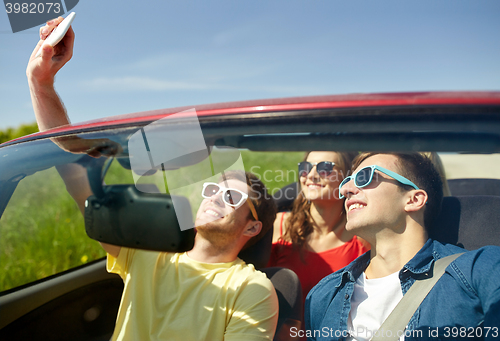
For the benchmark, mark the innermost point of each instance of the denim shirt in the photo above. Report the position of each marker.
(464, 303)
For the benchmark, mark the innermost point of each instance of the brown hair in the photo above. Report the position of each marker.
(263, 202)
(300, 224)
(436, 160)
(419, 169)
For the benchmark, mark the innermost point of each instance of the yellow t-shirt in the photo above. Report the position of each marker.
(169, 296)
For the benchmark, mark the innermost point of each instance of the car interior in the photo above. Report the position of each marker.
(468, 219)
(85, 298)
(459, 187)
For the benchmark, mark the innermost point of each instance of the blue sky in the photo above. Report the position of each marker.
(141, 55)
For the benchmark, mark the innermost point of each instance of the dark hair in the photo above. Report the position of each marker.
(263, 202)
(420, 170)
(300, 223)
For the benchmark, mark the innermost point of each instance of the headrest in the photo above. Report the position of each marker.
(258, 254)
(285, 196)
(459, 187)
(289, 291)
(469, 221)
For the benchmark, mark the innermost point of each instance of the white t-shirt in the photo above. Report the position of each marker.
(372, 301)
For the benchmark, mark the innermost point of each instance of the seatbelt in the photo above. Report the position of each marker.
(404, 310)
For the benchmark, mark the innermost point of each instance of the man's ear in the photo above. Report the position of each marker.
(416, 200)
(253, 228)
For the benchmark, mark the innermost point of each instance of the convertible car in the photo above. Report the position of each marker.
(53, 283)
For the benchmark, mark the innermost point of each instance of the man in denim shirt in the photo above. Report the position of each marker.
(390, 199)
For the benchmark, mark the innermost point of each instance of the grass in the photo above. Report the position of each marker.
(42, 231)
(275, 169)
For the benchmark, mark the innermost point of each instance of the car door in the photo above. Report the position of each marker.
(53, 283)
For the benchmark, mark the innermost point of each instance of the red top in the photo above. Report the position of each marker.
(314, 266)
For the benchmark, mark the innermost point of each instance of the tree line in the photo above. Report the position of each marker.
(13, 133)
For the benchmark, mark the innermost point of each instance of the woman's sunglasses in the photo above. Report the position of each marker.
(364, 176)
(324, 168)
(231, 196)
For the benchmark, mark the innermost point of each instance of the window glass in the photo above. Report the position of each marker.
(471, 166)
(275, 169)
(42, 232)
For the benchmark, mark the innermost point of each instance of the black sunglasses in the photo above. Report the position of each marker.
(324, 168)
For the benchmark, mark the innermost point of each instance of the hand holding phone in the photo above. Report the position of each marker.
(58, 33)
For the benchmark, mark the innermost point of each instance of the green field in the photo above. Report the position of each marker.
(42, 231)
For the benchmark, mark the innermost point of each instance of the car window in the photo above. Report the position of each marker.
(275, 169)
(42, 232)
(471, 166)
(278, 169)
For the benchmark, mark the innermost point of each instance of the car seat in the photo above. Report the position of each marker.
(286, 283)
(289, 292)
(460, 187)
(285, 196)
(469, 221)
(470, 218)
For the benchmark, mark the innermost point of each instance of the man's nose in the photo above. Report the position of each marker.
(217, 199)
(349, 189)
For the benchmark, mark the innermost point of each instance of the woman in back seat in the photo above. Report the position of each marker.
(311, 240)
